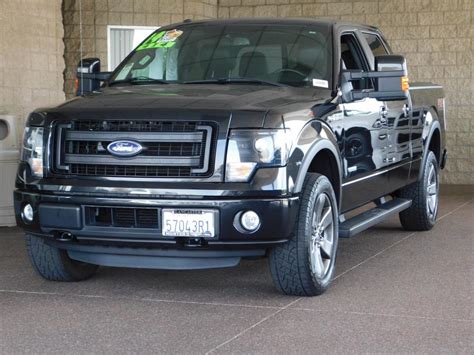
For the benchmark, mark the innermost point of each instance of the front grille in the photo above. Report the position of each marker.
(130, 170)
(122, 217)
(170, 148)
(136, 126)
(179, 149)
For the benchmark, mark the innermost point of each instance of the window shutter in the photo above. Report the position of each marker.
(121, 40)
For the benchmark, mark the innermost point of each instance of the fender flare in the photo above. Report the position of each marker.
(318, 146)
(435, 125)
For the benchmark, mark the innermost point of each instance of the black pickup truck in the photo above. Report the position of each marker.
(215, 141)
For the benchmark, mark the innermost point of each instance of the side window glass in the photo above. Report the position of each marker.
(375, 44)
(352, 59)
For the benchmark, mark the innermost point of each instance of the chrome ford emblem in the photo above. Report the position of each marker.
(124, 148)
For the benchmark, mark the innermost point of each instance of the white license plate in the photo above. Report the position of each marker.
(188, 223)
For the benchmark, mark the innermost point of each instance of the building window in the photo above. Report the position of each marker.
(121, 40)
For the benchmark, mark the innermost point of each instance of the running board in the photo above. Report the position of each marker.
(367, 219)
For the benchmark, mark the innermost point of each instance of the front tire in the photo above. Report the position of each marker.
(421, 216)
(304, 266)
(54, 264)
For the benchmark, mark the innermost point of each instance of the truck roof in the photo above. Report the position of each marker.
(286, 21)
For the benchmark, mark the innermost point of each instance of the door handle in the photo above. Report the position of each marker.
(383, 115)
(380, 122)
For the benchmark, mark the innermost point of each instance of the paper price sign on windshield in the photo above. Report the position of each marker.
(163, 39)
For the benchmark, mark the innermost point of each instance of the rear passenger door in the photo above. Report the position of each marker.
(397, 114)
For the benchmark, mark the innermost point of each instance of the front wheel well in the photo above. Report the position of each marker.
(435, 145)
(325, 163)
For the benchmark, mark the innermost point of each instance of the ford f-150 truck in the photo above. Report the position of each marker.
(219, 140)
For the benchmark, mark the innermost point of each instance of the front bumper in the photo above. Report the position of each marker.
(55, 215)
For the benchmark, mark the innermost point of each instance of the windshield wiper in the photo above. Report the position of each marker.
(139, 80)
(235, 80)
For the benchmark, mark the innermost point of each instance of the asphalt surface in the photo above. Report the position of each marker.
(395, 291)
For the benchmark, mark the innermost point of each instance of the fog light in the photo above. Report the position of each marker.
(27, 213)
(250, 221)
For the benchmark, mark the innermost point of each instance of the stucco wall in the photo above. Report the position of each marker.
(31, 65)
(97, 14)
(31, 56)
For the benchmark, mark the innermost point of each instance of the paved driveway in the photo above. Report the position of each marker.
(395, 291)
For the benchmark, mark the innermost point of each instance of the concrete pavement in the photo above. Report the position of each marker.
(395, 291)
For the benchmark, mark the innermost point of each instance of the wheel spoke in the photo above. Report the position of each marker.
(317, 264)
(318, 211)
(432, 203)
(326, 219)
(430, 174)
(432, 190)
(314, 223)
(326, 247)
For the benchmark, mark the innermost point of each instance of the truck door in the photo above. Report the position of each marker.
(397, 114)
(364, 135)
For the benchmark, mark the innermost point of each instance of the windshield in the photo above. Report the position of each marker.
(288, 55)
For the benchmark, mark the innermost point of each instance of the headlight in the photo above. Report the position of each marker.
(251, 149)
(32, 150)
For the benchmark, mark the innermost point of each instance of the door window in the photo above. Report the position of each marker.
(353, 59)
(375, 43)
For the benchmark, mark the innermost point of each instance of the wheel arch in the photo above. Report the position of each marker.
(432, 138)
(435, 144)
(322, 158)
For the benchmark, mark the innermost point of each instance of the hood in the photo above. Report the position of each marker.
(248, 105)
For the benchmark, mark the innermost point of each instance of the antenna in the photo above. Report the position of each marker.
(81, 48)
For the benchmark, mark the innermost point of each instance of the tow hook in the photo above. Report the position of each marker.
(194, 242)
(64, 237)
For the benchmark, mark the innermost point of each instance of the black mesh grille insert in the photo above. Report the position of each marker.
(178, 149)
(122, 217)
(129, 170)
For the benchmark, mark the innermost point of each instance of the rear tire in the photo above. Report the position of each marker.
(54, 264)
(421, 216)
(304, 266)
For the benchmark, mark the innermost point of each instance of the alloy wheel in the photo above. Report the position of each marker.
(322, 236)
(432, 192)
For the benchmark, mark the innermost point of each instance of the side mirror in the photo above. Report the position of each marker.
(390, 80)
(396, 84)
(89, 76)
